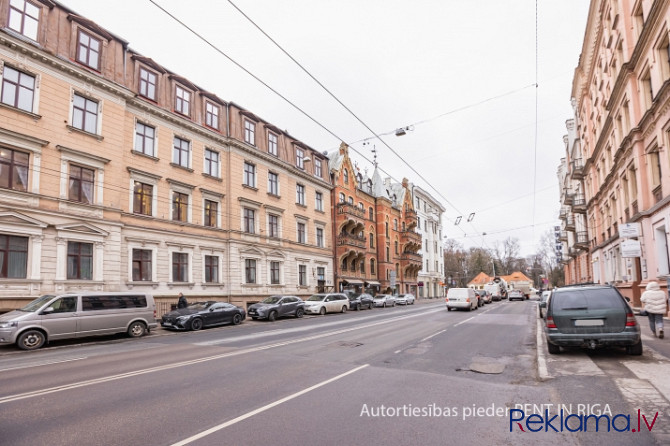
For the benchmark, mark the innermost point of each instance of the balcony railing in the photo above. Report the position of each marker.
(411, 256)
(563, 236)
(351, 240)
(577, 172)
(567, 199)
(579, 203)
(570, 222)
(410, 236)
(582, 240)
(350, 209)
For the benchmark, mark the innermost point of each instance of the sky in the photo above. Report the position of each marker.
(460, 75)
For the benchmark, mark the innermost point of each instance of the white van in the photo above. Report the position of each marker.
(461, 298)
(76, 315)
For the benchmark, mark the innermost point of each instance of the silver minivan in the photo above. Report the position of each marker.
(77, 315)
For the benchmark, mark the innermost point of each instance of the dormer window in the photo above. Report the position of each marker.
(250, 132)
(88, 50)
(300, 158)
(148, 81)
(182, 103)
(24, 18)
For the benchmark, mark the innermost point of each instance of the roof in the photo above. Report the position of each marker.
(481, 279)
(516, 276)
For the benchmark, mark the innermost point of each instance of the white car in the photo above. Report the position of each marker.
(327, 303)
(461, 298)
(384, 300)
(405, 299)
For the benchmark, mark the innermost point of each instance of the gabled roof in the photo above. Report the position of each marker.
(481, 279)
(516, 276)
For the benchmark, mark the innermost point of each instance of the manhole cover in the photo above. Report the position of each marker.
(487, 367)
(349, 344)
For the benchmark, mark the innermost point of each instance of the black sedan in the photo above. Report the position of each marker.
(203, 314)
(273, 307)
(359, 301)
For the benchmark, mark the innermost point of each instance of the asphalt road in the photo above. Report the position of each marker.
(414, 375)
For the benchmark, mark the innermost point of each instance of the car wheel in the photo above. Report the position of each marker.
(448, 308)
(370, 307)
(196, 324)
(540, 312)
(299, 313)
(635, 349)
(31, 340)
(237, 319)
(553, 348)
(322, 311)
(272, 316)
(254, 318)
(358, 307)
(393, 304)
(136, 329)
(384, 306)
(344, 308)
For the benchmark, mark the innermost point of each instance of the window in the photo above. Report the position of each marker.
(346, 176)
(81, 184)
(142, 265)
(88, 50)
(179, 206)
(211, 269)
(319, 237)
(24, 17)
(79, 261)
(274, 273)
(342, 197)
(145, 139)
(13, 257)
(302, 275)
(212, 115)
(249, 132)
(344, 265)
(18, 89)
(13, 169)
(354, 263)
(351, 201)
(362, 266)
(148, 81)
(212, 163)
(249, 175)
(321, 273)
(180, 152)
(396, 247)
(655, 163)
(84, 114)
(403, 226)
(250, 270)
(386, 225)
(388, 254)
(300, 194)
(371, 214)
(300, 158)
(302, 236)
(372, 266)
(273, 225)
(211, 213)
(142, 198)
(272, 144)
(395, 224)
(418, 222)
(317, 167)
(372, 240)
(273, 183)
(249, 221)
(179, 267)
(182, 104)
(319, 201)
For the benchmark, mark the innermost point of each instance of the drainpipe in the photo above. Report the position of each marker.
(228, 210)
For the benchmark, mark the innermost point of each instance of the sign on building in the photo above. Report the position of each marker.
(392, 279)
(627, 230)
(631, 248)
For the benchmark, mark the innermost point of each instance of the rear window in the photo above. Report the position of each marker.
(586, 299)
(92, 303)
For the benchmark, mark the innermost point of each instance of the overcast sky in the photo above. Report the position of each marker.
(460, 71)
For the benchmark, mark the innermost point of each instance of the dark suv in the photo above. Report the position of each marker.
(360, 300)
(590, 316)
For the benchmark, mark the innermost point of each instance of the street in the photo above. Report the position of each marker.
(404, 375)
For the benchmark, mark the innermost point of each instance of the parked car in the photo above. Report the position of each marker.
(405, 299)
(77, 315)
(590, 316)
(543, 299)
(515, 294)
(384, 300)
(361, 300)
(464, 298)
(484, 297)
(203, 314)
(273, 307)
(323, 303)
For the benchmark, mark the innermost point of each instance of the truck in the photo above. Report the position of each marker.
(524, 287)
(498, 288)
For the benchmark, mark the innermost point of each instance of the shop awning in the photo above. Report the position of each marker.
(353, 282)
(372, 283)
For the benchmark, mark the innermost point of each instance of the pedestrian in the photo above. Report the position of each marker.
(183, 303)
(656, 306)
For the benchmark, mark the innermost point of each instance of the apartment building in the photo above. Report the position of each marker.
(118, 174)
(621, 97)
(429, 225)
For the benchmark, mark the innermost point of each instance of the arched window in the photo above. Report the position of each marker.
(395, 224)
(403, 226)
(342, 197)
(346, 176)
(371, 212)
(372, 266)
(387, 228)
(372, 240)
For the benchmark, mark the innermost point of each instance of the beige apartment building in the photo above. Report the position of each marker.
(118, 174)
(615, 176)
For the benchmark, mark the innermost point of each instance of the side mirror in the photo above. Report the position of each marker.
(48, 310)
(211, 309)
(543, 305)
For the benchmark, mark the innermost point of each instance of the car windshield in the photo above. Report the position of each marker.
(587, 299)
(271, 300)
(37, 303)
(316, 297)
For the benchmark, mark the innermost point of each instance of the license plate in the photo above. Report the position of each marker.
(167, 323)
(589, 322)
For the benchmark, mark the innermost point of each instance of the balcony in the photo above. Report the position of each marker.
(570, 223)
(351, 240)
(577, 171)
(350, 209)
(410, 237)
(582, 240)
(567, 199)
(564, 236)
(411, 256)
(579, 204)
(573, 252)
(563, 213)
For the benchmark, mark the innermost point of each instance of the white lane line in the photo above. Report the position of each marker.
(433, 335)
(41, 363)
(264, 408)
(463, 322)
(396, 352)
(91, 382)
(542, 370)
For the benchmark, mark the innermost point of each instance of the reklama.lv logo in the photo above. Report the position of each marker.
(577, 423)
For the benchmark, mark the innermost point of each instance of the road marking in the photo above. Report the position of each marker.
(41, 363)
(396, 352)
(541, 359)
(264, 408)
(433, 335)
(463, 322)
(21, 396)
